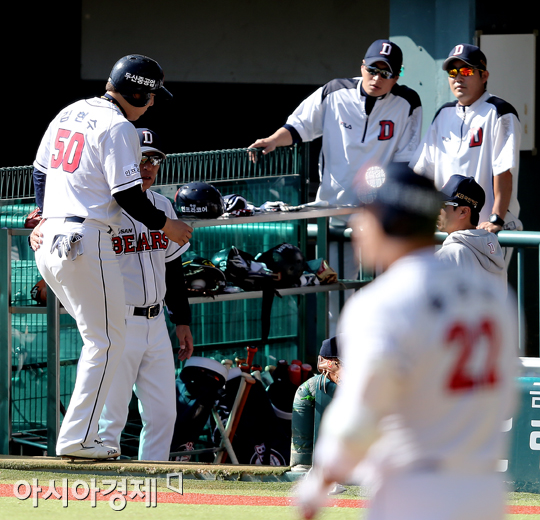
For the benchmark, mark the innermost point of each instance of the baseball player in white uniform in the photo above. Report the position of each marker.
(86, 170)
(364, 121)
(477, 135)
(152, 269)
(466, 245)
(429, 359)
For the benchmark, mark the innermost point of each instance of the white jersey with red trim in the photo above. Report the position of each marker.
(89, 152)
(143, 254)
(481, 140)
(430, 355)
(354, 139)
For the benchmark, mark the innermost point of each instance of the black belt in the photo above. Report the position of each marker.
(79, 220)
(148, 312)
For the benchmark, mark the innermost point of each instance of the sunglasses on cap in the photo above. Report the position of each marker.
(374, 71)
(448, 203)
(154, 160)
(464, 71)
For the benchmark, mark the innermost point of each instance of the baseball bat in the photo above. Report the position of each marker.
(239, 361)
(306, 371)
(295, 374)
(249, 381)
(251, 351)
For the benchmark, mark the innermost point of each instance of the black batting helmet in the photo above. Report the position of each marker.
(198, 199)
(136, 77)
(406, 203)
(287, 262)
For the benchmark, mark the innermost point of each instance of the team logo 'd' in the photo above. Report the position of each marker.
(477, 137)
(386, 131)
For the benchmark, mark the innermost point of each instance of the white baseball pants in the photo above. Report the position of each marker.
(147, 368)
(91, 289)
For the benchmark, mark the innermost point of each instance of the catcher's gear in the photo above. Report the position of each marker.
(66, 244)
(38, 293)
(287, 263)
(202, 277)
(137, 77)
(198, 199)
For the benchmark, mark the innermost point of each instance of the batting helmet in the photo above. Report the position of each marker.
(198, 199)
(136, 77)
(203, 377)
(203, 277)
(287, 263)
(406, 203)
(242, 270)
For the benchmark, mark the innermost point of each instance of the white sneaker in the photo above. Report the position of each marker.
(99, 451)
(337, 489)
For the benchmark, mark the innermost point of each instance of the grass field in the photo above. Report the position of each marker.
(201, 499)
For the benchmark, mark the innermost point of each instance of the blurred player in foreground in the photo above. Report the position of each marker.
(152, 270)
(429, 357)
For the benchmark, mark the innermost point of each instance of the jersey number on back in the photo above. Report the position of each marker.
(477, 350)
(68, 150)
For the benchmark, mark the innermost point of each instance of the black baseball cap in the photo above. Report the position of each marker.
(149, 141)
(470, 54)
(329, 348)
(465, 191)
(387, 51)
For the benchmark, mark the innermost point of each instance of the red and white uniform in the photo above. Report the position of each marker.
(429, 361)
(89, 152)
(352, 138)
(481, 141)
(147, 364)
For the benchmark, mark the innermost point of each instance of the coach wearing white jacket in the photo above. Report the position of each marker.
(467, 245)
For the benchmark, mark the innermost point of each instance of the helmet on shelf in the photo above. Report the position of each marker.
(198, 199)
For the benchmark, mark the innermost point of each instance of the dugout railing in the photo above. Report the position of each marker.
(26, 385)
(33, 376)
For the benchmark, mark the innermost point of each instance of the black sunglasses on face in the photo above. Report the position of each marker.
(374, 71)
(154, 160)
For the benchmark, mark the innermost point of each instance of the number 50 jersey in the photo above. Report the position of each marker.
(89, 152)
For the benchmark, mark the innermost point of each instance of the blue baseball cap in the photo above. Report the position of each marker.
(470, 54)
(149, 141)
(387, 51)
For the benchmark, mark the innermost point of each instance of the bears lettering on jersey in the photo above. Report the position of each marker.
(127, 243)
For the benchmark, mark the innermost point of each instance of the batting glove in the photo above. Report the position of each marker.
(68, 243)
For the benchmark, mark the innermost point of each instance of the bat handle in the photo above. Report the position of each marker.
(251, 351)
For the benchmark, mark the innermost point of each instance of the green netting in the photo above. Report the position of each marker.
(221, 330)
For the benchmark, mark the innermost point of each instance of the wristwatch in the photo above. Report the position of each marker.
(495, 219)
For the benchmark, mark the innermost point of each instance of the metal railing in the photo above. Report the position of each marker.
(212, 166)
(288, 164)
(520, 240)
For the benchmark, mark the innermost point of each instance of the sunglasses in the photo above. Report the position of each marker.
(447, 203)
(374, 71)
(464, 71)
(154, 160)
